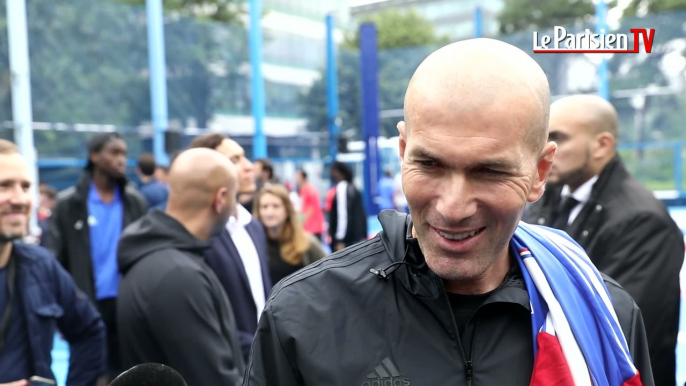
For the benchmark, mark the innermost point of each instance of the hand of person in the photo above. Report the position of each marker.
(23, 382)
(102, 381)
(339, 245)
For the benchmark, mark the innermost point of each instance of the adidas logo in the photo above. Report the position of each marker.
(386, 374)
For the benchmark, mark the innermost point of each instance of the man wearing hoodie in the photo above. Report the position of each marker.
(86, 224)
(172, 308)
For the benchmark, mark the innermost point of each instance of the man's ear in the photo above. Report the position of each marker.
(402, 140)
(604, 145)
(220, 199)
(543, 167)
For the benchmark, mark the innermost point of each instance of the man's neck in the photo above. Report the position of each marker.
(195, 224)
(103, 182)
(146, 179)
(489, 281)
(5, 253)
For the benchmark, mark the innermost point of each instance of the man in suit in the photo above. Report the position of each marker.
(348, 220)
(238, 255)
(626, 231)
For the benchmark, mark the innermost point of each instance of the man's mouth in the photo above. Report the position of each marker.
(460, 236)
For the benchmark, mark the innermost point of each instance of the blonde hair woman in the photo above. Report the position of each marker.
(289, 247)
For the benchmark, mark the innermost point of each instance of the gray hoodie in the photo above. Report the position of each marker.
(172, 309)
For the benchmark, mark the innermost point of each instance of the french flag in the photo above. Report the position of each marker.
(577, 338)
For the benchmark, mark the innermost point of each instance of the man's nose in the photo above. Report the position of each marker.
(457, 201)
(20, 196)
(247, 165)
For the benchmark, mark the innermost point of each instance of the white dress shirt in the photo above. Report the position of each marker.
(246, 249)
(581, 194)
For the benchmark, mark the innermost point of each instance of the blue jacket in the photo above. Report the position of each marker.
(226, 263)
(53, 302)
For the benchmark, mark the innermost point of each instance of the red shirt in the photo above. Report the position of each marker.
(310, 204)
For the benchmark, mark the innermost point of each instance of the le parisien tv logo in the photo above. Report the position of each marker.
(589, 42)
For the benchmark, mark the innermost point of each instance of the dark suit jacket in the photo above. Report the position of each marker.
(630, 236)
(224, 259)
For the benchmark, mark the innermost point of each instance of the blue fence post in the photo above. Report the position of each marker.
(331, 88)
(158, 78)
(478, 22)
(603, 72)
(370, 114)
(678, 168)
(257, 82)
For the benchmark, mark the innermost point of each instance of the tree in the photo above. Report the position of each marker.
(404, 39)
(226, 11)
(525, 15)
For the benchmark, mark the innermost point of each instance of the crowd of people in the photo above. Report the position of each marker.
(216, 269)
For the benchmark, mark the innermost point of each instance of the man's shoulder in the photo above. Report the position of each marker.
(624, 305)
(333, 275)
(65, 195)
(34, 254)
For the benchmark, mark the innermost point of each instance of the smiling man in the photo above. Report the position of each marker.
(86, 224)
(37, 295)
(459, 292)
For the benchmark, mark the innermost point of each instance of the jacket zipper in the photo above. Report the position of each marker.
(469, 368)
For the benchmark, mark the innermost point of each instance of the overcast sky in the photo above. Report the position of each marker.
(353, 3)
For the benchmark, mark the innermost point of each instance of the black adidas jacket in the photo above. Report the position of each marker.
(336, 324)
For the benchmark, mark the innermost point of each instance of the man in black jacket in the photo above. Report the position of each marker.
(626, 231)
(348, 222)
(437, 299)
(86, 224)
(172, 308)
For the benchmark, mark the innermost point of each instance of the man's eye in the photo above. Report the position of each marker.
(495, 173)
(427, 163)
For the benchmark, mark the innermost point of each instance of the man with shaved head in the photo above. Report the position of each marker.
(172, 308)
(459, 292)
(626, 231)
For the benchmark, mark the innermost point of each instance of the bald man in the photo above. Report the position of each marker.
(459, 292)
(626, 231)
(172, 308)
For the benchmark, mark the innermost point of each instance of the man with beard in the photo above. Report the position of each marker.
(37, 296)
(239, 253)
(460, 292)
(86, 224)
(626, 231)
(172, 308)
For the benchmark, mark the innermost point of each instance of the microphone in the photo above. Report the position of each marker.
(149, 374)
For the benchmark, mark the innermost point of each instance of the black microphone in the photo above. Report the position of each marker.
(149, 374)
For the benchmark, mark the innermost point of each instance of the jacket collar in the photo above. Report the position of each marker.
(84, 183)
(416, 276)
(613, 172)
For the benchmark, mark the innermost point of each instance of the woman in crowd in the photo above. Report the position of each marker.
(290, 248)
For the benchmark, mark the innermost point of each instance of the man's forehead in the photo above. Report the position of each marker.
(13, 167)
(230, 148)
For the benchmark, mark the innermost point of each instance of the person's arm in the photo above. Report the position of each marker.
(185, 323)
(269, 364)
(82, 326)
(644, 255)
(638, 347)
(55, 242)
